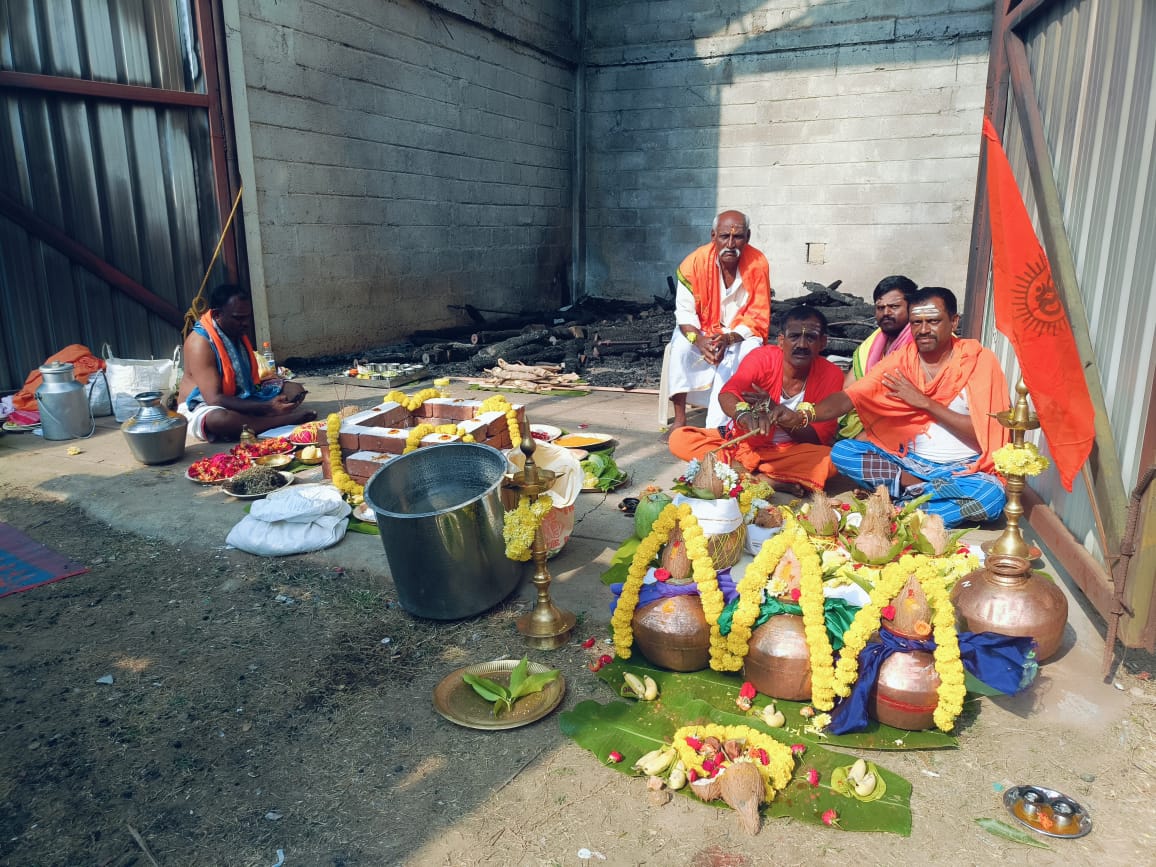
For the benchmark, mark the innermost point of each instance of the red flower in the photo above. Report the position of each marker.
(760, 755)
(887, 612)
(615, 757)
(662, 575)
(709, 766)
(588, 643)
(796, 593)
(691, 775)
(748, 690)
(595, 666)
(812, 776)
(694, 743)
(963, 549)
(798, 749)
(831, 819)
(606, 659)
(846, 507)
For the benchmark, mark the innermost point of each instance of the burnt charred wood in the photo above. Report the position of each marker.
(485, 338)
(444, 353)
(503, 349)
(858, 331)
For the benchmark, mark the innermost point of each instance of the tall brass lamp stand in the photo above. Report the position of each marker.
(1019, 419)
(546, 627)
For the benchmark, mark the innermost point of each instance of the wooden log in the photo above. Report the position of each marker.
(505, 348)
(485, 338)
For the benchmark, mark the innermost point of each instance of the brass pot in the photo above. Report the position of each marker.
(673, 633)
(778, 661)
(906, 694)
(1005, 596)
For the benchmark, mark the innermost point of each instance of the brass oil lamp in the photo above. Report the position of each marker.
(1005, 595)
(546, 626)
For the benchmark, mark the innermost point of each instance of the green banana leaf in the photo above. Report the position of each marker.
(636, 728)
(367, 527)
(1010, 832)
(720, 690)
(620, 562)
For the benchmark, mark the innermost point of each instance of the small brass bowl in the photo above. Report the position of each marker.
(311, 462)
(275, 461)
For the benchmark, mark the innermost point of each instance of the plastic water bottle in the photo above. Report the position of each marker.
(270, 360)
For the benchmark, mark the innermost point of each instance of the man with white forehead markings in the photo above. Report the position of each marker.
(927, 413)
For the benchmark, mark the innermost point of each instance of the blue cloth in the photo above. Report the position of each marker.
(662, 590)
(1002, 662)
(957, 495)
(239, 356)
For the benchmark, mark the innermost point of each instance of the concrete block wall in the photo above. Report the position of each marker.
(407, 156)
(852, 126)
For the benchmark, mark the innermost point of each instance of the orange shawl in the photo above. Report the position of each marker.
(891, 424)
(83, 362)
(699, 272)
(228, 375)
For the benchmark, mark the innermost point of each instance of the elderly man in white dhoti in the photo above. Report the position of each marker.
(722, 311)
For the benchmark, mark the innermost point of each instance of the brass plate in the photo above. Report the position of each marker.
(286, 481)
(589, 441)
(456, 700)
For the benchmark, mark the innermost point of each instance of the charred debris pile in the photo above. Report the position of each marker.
(608, 342)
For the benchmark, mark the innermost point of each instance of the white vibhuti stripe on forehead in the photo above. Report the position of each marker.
(925, 308)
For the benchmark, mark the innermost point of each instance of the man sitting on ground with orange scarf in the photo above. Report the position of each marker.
(927, 417)
(221, 391)
(768, 379)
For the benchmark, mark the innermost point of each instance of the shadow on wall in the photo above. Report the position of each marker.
(829, 126)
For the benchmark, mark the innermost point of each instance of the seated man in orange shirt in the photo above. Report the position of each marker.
(769, 380)
(927, 413)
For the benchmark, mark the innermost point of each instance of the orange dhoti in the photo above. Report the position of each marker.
(799, 463)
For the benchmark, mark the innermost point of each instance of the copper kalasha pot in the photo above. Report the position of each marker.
(673, 633)
(778, 661)
(907, 692)
(1005, 596)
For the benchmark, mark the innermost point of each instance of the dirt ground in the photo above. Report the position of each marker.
(265, 705)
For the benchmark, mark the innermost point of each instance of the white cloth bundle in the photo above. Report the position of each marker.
(293, 520)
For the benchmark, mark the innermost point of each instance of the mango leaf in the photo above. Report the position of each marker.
(518, 675)
(721, 689)
(620, 562)
(486, 688)
(534, 683)
(1010, 832)
(634, 729)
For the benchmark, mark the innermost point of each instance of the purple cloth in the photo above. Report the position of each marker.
(659, 590)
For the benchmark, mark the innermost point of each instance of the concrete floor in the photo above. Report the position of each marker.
(107, 482)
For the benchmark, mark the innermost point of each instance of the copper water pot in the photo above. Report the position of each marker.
(673, 633)
(778, 661)
(907, 692)
(1005, 596)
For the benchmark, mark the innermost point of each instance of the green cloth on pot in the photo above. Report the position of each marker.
(838, 613)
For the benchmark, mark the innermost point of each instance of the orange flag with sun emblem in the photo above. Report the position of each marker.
(1029, 312)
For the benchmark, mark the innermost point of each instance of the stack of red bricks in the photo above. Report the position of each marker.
(371, 437)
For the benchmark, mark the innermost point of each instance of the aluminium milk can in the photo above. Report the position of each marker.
(63, 403)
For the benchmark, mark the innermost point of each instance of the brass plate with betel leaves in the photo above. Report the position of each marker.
(456, 700)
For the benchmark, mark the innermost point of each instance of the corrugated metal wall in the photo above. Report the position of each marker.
(132, 182)
(1094, 67)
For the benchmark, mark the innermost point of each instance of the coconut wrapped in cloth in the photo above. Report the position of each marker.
(721, 521)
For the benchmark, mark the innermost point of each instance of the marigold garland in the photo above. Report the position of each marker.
(776, 773)
(412, 404)
(757, 491)
(417, 434)
(703, 572)
(341, 479)
(498, 403)
(751, 591)
(521, 525)
(948, 664)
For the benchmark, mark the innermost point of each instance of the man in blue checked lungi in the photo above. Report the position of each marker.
(927, 418)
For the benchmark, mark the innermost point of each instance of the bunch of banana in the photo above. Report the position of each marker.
(642, 688)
